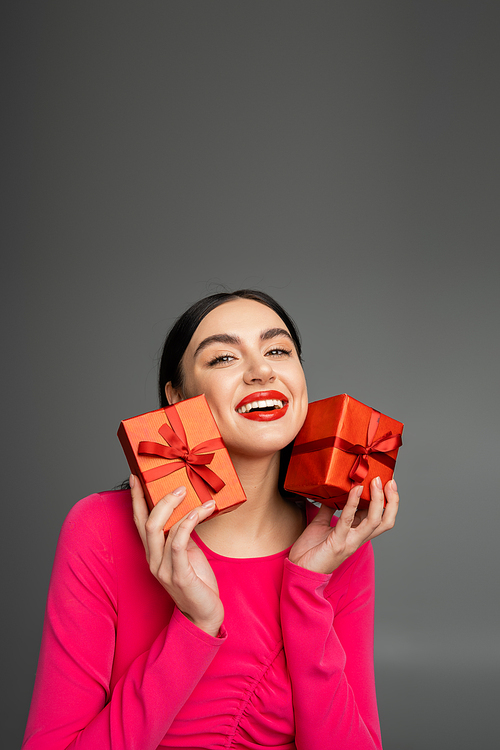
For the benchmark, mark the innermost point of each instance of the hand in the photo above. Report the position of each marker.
(176, 561)
(322, 548)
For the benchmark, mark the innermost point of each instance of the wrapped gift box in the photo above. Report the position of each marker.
(181, 445)
(342, 443)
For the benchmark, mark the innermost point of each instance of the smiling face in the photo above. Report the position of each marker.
(243, 359)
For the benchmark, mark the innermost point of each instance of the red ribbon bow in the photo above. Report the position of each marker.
(375, 448)
(194, 460)
(384, 444)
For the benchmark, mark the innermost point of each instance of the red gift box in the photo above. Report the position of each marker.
(342, 443)
(181, 445)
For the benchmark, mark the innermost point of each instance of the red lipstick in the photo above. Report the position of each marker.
(264, 416)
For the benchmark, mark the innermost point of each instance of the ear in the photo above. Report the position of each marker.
(174, 395)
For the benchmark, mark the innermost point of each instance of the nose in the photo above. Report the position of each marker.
(259, 370)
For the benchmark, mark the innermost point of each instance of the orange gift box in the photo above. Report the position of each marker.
(181, 445)
(342, 443)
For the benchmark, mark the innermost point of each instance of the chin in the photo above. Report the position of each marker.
(259, 438)
(261, 447)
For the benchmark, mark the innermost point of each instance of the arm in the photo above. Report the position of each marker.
(73, 706)
(327, 623)
(329, 638)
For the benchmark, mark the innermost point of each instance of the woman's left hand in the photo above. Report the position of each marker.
(322, 548)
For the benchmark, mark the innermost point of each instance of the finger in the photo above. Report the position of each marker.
(377, 501)
(194, 517)
(324, 515)
(346, 518)
(364, 523)
(390, 510)
(360, 516)
(164, 508)
(180, 534)
(155, 524)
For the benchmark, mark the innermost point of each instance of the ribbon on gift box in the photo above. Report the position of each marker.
(194, 460)
(375, 448)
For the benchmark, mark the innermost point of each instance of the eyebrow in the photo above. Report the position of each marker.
(229, 338)
(273, 333)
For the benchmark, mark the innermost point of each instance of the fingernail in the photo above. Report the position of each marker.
(359, 490)
(179, 491)
(378, 483)
(131, 481)
(394, 486)
(193, 515)
(208, 504)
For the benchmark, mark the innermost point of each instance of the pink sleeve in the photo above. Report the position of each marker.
(72, 705)
(327, 626)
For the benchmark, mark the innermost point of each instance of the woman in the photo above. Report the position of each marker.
(253, 629)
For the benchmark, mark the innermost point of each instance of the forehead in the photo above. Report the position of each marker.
(243, 317)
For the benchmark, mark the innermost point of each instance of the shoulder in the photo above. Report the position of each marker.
(99, 509)
(97, 542)
(99, 505)
(97, 521)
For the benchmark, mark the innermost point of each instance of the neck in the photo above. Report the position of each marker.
(265, 524)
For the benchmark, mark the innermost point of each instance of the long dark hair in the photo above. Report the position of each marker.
(180, 335)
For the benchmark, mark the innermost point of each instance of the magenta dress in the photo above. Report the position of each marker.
(121, 668)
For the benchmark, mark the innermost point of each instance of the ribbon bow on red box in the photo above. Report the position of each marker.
(195, 460)
(375, 448)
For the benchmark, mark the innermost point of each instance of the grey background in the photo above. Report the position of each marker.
(343, 157)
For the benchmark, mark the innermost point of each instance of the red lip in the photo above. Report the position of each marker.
(263, 396)
(264, 416)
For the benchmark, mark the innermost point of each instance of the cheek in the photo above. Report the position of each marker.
(302, 412)
(194, 384)
(302, 416)
(217, 390)
(301, 386)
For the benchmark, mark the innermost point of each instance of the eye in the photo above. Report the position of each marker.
(221, 359)
(279, 351)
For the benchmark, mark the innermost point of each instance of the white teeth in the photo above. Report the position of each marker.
(260, 405)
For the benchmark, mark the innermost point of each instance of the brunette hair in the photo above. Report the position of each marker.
(180, 334)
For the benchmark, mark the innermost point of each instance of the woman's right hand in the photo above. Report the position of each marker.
(175, 560)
